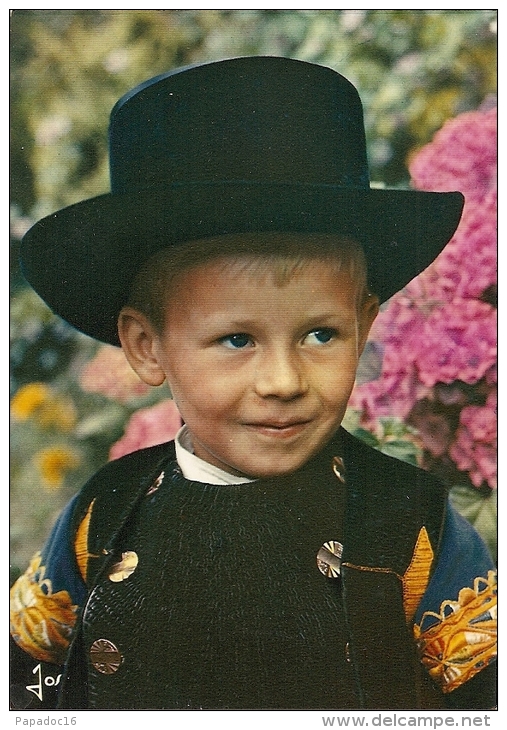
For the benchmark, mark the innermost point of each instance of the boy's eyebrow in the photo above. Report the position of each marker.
(231, 323)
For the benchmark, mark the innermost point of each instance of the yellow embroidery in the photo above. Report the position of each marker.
(41, 621)
(81, 543)
(417, 575)
(464, 640)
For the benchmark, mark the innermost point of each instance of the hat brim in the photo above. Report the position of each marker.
(81, 260)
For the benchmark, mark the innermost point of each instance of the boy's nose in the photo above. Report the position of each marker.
(280, 375)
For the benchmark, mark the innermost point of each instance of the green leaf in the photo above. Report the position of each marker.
(480, 510)
(403, 450)
(109, 419)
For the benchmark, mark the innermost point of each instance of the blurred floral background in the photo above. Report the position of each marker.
(426, 389)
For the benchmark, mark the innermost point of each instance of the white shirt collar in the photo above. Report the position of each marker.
(198, 470)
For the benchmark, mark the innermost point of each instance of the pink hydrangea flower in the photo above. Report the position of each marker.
(468, 265)
(457, 342)
(441, 330)
(475, 447)
(110, 374)
(148, 427)
(393, 394)
(462, 156)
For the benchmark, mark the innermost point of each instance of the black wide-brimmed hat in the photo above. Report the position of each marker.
(242, 145)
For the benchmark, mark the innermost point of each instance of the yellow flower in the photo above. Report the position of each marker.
(54, 462)
(28, 399)
(59, 413)
(47, 408)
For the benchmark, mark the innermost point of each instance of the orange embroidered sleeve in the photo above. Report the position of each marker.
(41, 620)
(463, 639)
(45, 600)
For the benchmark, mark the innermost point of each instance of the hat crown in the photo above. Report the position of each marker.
(253, 144)
(252, 119)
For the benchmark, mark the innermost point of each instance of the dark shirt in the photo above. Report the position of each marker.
(227, 607)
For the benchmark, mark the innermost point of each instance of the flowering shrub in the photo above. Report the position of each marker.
(48, 407)
(109, 374)
(439, 334)
(153, 416)
(148, 427)
(474, 449)
(54, 462)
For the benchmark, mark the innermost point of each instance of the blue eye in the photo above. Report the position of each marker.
(321, 336)
(237, 341)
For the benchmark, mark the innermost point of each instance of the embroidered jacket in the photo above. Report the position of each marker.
(410, 565)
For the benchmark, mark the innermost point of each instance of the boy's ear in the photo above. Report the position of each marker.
(369, 311)
(138, 339)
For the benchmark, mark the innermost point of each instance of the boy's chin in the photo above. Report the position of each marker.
(264, 457)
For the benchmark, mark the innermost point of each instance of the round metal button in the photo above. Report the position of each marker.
(329, 559)
(105, 657)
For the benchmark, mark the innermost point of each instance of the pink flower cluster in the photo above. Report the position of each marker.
(110, 374)
(148, 427)
(442, 329)
(468, 265)
(457, 342)
(462, 156)
(475, 447)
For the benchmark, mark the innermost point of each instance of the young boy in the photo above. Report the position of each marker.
(266, 559)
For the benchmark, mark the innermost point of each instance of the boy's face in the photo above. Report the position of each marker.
(262, 372)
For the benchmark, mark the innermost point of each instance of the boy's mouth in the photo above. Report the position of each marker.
(280, 429)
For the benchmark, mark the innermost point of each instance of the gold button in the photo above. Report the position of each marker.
(339, 468)
(329, 559)
(105, 657)
(122, 570)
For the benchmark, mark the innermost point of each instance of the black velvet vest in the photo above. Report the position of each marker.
(227, 607)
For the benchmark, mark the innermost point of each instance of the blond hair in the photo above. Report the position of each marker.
(281, 255)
